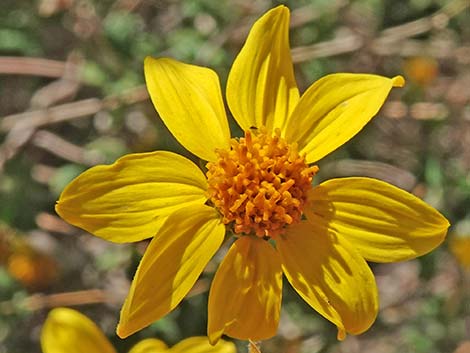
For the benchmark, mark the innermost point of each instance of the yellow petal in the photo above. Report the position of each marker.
(245, 296)
(202, 345)
(330, 275)
(261, 87)
(189, 101)
(459, 246)
(171, 265)
(67, 330)
(150, 345)
(334, 109)
(128, 200)
(382, 221)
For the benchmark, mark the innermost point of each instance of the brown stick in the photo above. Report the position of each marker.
(254, 347)
(13, 65)
(42, 301)
(64, 149)
(69, 111)
(388, 38)
(90, 296)
(59, 113)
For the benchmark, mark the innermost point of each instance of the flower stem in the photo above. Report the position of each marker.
(254, 347)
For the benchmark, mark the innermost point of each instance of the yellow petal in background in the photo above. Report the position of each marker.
(459, 246)
(334, 109)
(67, 330)
(128, 200)
(261, 87)
(202, 345)
(171, 265)
(150, 345)
(245, 296)
(382, 221)
(330, 275)
(189, 101)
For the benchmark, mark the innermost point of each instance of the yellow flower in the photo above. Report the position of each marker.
(257, 188)
(422, 70)
(460, 247)
(68, 331)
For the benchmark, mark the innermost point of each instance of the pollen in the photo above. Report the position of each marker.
(260, 184)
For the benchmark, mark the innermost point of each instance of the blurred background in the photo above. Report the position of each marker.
(72, 95)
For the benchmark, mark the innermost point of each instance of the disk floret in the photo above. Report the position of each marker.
(260, 185)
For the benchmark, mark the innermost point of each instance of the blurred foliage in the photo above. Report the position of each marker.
(420, 141)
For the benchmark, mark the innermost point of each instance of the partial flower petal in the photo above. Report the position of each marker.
(128, 200)
(202, 345)
(245, 296)
(334, 109)
(189, 101)
(67, 330)
(171, 265)
(150, 345)
(382, 221)
(261, 87)
(330, 275)
(459, 246)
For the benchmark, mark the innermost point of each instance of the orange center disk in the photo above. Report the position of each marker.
(260, 185)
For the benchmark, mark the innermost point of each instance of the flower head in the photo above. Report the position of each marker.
(258, 188)
(67, 330)
(260, 185)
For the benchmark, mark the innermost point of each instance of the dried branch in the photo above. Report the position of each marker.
(254, 347)
(14, 65)
(340, 45)
(64, 149)
(59, 113)
(41, 301)
(383, 171)
(388, 40)
(70, 111)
